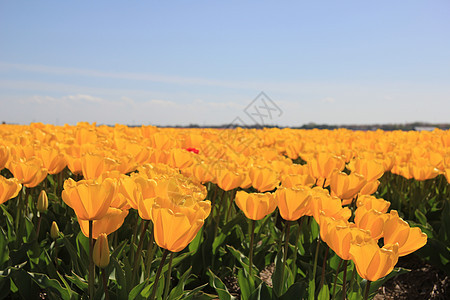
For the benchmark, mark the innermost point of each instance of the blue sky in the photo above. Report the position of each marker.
(204, 62)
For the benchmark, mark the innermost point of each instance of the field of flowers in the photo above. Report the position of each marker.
(99, 212)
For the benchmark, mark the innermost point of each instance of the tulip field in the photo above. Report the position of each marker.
(102, 212)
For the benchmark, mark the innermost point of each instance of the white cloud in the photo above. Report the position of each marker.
(328, 100)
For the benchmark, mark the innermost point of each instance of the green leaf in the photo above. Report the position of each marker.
(311, 289)
(120, 278)
(196, 242)
(262, 292)
(421, 217)
(324, 293)
(78, 281)
(219, 286)
(295, 291)
(244, 284)
(4, 251)
(52, 285)
(179, 289)
(141, 291)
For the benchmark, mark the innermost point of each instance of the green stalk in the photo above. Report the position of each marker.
(297, 237)
(158, 273)
(286, 248)
(169, 273)
(335, 278)
(344, 281)
(150, 254)
(315, 259)
(137, 257)
(105, 284)
(322, 278)
(250, 256)
(366, 293)
(91, 263)
(38, 226)
(19, 208)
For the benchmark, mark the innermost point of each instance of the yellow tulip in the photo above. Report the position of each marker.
(371, 220)
(371, 202)
(228, 180)
(176, 226)
(112, 221)
(370, 169)
(331, 206)
(293, 203)
(339, 235)
(346, 186)
(293, 180)
(88, 198)
(9, 188)
(263, 179)
(398, 231)
(323, 164)
(29, 172)
(255, 205)
(94, 165)
(371, 261)
(4, 156)
(369, 188)
(100, 254)
(53, 160)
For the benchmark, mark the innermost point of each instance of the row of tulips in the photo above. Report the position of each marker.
(133, 189)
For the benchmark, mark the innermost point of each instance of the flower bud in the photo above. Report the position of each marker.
(42, 203)
(101, 251)
(54, 231)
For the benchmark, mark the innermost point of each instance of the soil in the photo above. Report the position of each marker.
(422, 282)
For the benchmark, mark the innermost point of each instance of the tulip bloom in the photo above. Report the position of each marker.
(29, 172)
(370, 220)
(331, 206)
(100, 255)
(398, 231)
(176, 226)
(323, 164)
(4, 156)
(53, 160)
(293, 203)
(293, 180)
(369, 168)
(263, 179)
(346, 186)
(94, 165)
(371, 202)
(9, 188)
(371, 261)
(255, 205)
(370, 187)
(89, 199)
(112, 221)
(228, 180)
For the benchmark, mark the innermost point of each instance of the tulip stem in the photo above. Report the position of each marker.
(232, 196)
(137, 257)
(250, 256)
(38, 226)
(169, 272)
(105, 284)
(335, 278)
(91, 262)
(19, 208)
(366, 292)
(285, 250)
(297, 239)
(315, 259)
(322, 278)
(158, 273)
(344, 281)
(150, 254)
